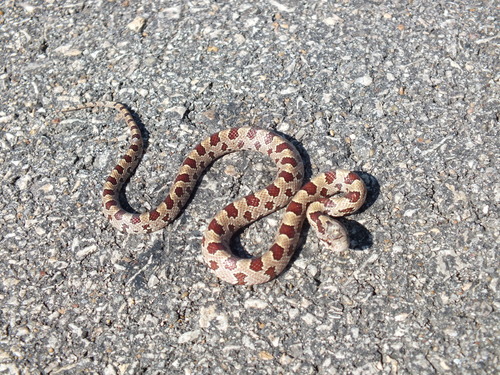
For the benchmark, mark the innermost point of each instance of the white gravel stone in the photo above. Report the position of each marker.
(137, 24)
(255, 304)
(332, 20)
(364, 80)
(188, 336)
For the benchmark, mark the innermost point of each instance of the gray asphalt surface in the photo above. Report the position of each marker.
(404, 92)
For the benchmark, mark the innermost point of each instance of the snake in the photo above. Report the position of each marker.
(331, 194)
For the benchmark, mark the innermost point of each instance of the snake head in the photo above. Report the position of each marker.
(331, 232)
(334, 237)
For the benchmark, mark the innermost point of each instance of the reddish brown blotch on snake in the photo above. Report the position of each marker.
(331, 194)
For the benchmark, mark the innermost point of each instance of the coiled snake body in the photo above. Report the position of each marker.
(334, 193)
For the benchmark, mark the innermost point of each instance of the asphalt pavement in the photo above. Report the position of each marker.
(405, 93)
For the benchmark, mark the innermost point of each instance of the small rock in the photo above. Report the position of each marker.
(251, 22)
(22, 182)
(222, 322)
(188, 336)
(255, 304)
(27, 7)
(365, 80)
(207, 314)
(231, 171)
(67, 50)
(40, 231)
(5, 119)
(11, 138)
(311, 270)
(401, 317)
(153, 281)
(210, 115)
(239, 39)
(181, 110)
(173, 13)
(285, 360)
(281, 7)
(410, 212)
(333, 20)
(266, 356)
(109, 370)
(310, 319)
(23, 331)
(86, 251)
(137, 24)
(47, 188)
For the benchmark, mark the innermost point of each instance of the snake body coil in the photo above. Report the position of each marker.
(334, 193)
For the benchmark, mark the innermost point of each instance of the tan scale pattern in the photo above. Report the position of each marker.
(346, 187)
